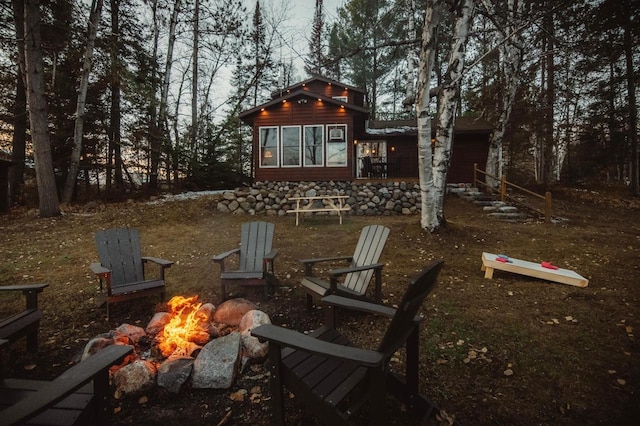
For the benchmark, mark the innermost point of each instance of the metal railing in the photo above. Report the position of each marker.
(504, 185)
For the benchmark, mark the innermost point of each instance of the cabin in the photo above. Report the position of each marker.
(318, 130)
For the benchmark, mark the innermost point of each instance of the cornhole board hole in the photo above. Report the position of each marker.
(531, 269)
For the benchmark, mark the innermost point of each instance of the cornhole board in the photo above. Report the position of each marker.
(531, 269)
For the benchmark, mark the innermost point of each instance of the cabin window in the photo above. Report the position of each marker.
(336, 145)
(269, 146)
(313, 145)
(290, 146)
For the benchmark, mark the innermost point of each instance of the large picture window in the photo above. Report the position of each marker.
(336, 145)
(269, 146)
(313, 145)
(290, 146)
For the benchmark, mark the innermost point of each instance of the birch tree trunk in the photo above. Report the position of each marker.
(423, 100)
(38, 118)
(511, 54)
(163, 124)
(449, 98)
(74, 165)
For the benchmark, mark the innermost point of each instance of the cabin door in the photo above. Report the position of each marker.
(371, 159)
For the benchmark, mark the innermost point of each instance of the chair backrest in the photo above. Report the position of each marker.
(370, 245)
(401, 323)
(255, 242)
(119, 251)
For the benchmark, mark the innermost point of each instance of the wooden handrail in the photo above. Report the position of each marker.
(504, 185)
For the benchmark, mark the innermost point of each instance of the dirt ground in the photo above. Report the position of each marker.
(512, 350)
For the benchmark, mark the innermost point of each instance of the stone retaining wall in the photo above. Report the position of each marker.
(366, 198)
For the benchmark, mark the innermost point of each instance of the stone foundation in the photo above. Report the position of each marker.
(365, 198)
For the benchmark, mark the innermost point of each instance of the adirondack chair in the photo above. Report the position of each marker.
(256, 259)
(25, 323)
(363, 265)
(335, 380)
(80, 396)
(122, 266)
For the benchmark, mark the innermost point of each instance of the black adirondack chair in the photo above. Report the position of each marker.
(25, 323)
(79, 396)
(122, 267)
(357, 276)
(335, 380)
(256, 259)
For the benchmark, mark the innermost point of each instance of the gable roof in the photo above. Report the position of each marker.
(300, 93)
(313, 79)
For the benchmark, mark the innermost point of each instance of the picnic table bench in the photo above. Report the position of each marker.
(24, 323)
(319, 203)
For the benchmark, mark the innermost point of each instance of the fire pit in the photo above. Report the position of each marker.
(192, 343)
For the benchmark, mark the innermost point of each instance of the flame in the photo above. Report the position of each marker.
(184, 328)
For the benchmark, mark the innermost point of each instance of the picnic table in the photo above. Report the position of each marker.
(319, 203)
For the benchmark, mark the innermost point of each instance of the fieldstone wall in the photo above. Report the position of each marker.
(366, 198)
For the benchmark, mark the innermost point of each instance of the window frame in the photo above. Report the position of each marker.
(322, 145)
(263, 148)
(330, 143)
(282, 146)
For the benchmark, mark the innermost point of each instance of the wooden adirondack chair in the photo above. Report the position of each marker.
(122, 266)
(80, 396)
(27, 322)
(256, 259)
(335, 380)
(363, 265)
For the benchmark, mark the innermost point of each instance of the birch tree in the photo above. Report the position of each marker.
(510, 42)
(434, 181)
(423, 101)
(74, 165)
(47, 195)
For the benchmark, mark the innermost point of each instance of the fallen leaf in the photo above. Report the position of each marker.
(508, 372)
(30, 367)
(568, 318)
(117, 410)
(238, 395)
(441, 361)
(621, 382)
(611, 371)
(143, 399)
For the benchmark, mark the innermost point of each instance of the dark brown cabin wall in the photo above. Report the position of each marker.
(403, 160)
(292, 113)
(467, 150)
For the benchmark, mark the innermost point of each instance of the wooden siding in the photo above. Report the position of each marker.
(292, 113)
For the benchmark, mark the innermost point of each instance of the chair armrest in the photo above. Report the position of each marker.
(65, 384)
(326, 259)
(26, 288)
(296, 340)
(343, 271)
(362, 306)
(309, 263)
(100, 270)
(30, 291)
(162, 262)
(271, 255)
(220, 257)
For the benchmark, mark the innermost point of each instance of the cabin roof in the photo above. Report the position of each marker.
(304, 83)
(300, 93)
(410, 127)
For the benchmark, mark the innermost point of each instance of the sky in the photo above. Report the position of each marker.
(296, 29)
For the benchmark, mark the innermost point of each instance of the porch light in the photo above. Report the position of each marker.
(355, 141)
(342, 106)
(262, 109)
(284, 101)
(268, 154)
(393, 149)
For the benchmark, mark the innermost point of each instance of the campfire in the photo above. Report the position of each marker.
(192, 342)
(187, 329)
